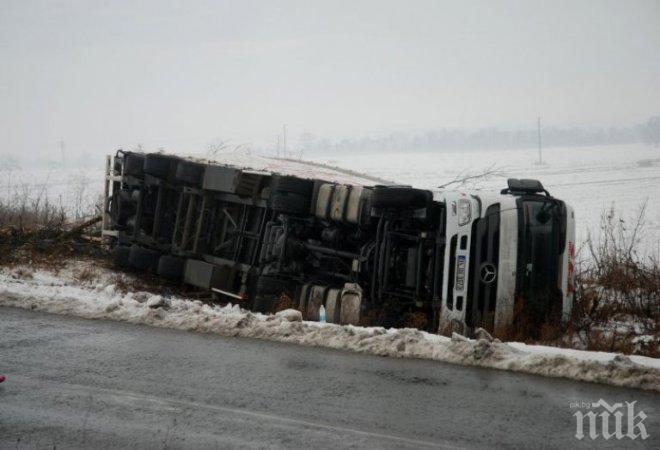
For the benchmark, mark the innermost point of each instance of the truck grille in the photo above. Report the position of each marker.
(484, 256)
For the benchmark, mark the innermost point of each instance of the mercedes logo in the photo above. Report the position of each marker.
(488, 273)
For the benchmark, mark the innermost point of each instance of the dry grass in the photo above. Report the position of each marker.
(86, 274)
(617, 298)
(285, 301)
(37, 232)
(417, 320)
(24, 209)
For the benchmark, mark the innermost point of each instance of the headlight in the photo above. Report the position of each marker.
(464, 212)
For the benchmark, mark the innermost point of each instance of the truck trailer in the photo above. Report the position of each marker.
(270, 236)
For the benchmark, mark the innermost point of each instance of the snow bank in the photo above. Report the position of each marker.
(99, 299)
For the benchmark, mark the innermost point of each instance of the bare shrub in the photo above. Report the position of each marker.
(22, 210)
(35, 230)
(617, 297)
(84, 207)
(472, 179)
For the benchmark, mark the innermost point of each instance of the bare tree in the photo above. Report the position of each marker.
(216, 148)
(219, 147)
(462, 179)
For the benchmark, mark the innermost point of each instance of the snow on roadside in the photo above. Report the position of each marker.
(98, 298)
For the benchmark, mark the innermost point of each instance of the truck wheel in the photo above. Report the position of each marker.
(317, 296)
(333, 305)
(122, 205)
(190, 172)
(365, 209)
(120, 256)
(160, 166)
(395, 197)
(304, 295)
(133, 164)
(268, 291)
(350, 308)
(143, 258)
(292, 185)
(289, 203)
(171, 267)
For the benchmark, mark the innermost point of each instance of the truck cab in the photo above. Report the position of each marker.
(510, 258)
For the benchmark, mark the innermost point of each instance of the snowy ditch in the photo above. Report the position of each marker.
(101, 299)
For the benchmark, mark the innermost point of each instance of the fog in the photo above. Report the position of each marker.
(86, 77)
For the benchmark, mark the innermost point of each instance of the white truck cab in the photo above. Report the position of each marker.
(506, 250)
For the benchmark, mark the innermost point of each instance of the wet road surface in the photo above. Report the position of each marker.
(76, 383)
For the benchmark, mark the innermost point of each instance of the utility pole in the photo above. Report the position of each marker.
(277, 149)
(284, 137)
(538, 123)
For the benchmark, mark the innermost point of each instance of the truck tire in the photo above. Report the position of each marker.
(333, 305)
(365, 209)
(120, 256)
(133, 164)
(350, 309)
(128, 199)
(292, 185)
(143, 258)
(396, 197)
(190, 173)
(289, 203)
(159, 166)
(304, 295)
(116, 209)
(122, 205)
(171, 267)
(267, 293)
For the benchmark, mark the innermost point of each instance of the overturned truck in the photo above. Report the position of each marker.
(372, 253)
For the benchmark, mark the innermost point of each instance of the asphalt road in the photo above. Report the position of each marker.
(75, 383)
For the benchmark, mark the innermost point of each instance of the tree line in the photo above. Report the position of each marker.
(647, 132)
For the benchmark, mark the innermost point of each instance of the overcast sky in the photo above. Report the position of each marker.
(179, 74)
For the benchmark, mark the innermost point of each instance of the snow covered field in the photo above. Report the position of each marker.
(99, 297)
(591, 179)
